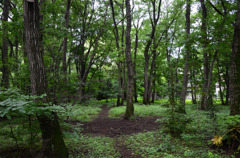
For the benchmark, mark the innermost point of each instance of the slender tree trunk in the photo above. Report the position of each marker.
(5, 69)
(145, 95)
(130, 107)
(186, 67)
(151, 75)
(123, 84)
(64, 58)
(123, 64)
(220, 83)
(134, 65)
(193, 87)
(208, 95)
(170, 76)
(116, 34)
(235, 68)
(154, 20)
(52, 139)
(205, 54)
(153, 85)
(227, 85)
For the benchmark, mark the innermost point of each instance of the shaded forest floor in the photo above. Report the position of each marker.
(110, 127)
(93, 130)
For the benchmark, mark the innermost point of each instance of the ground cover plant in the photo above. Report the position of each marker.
(119, 78)
(118, 141)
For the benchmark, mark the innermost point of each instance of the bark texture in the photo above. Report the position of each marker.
(64, 58)
(186, 67)
(5, 69)
(52, 139)
(130, 107)
(235, 68)
(205, 54)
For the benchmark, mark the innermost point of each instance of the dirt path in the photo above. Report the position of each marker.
(116, 127)
(104, 126)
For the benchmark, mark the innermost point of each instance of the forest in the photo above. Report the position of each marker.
(120, 79)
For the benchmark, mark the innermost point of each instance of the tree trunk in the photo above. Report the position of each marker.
(116, 34)
(186, 67)
(205, 55)
(123, 64)
(5, 69)
(193, 87)
(154, 20)
(227, 85)
(220, 83)
(150, 81)
(64, 58)
(130, 107)
(208, 95)
(235, 68)
(134, 65)
(153, 85)
(52, 139)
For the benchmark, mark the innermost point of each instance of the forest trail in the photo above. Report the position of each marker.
(115, 128)
(111, 127)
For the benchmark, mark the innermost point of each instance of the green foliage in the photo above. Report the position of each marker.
(175, 122)
(12, 101)
(82, 146)
(80, 113)
(139, 111)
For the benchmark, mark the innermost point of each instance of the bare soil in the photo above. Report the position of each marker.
(104, 126)
(110, 127)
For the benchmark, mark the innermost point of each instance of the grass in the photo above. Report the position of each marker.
(193, 142)
(139, 111)
(81, 113)
(83, 146)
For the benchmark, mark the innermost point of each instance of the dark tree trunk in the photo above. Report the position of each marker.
(208, 95)
(154, 20)
(52, 139)
(235, 68)
(134, 65)
(5, 69)
(116, 34)
(64, 58)
(205, 54)
(130, 107)
(150, 81)
(186, 67)
(227, 85)
(124, 63)
(193, 87)
(220, 83)
(153, 85)
(170, 75)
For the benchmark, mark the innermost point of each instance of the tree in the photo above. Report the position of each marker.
(64, 67)
(52, 138)
(5, 69)
(204, 42)
(235, 68)
(129, 106)
(154, 18)
(186, 67)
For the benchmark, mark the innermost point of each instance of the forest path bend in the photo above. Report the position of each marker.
(104, 126)
(111, 127)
